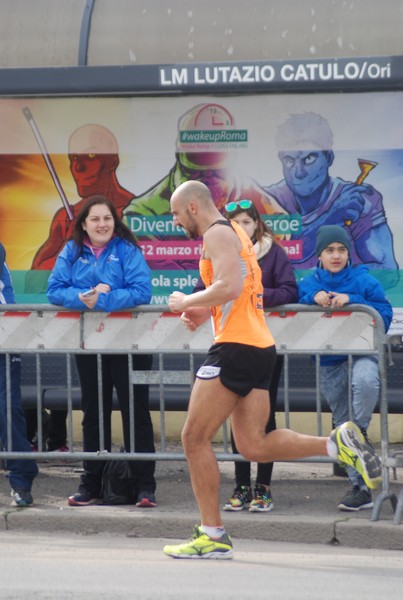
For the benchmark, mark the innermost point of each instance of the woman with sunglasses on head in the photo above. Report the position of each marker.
(279, 287)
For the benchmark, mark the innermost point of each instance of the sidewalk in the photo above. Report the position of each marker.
(305, 498)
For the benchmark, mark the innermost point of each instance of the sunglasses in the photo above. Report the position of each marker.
(244, 204)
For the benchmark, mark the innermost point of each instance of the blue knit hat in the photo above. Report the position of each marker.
(328, 234)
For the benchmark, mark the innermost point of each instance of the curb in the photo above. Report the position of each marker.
(349, 531)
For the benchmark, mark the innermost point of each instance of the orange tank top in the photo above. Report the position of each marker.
(241, 320)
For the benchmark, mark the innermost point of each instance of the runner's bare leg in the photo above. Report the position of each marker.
(210, 405)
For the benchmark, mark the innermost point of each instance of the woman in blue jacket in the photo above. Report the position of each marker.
(103, 268)
(335, 283)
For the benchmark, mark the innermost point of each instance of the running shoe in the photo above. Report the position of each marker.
(356, 499)
(262, 500)
(146, 500)
(355, 451)
(240, 498)
(82, 498)
(202, 546)
(21, 497)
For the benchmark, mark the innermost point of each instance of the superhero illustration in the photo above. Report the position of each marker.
(94, 157)
(210, 162)
(203, 152)
(304, 143)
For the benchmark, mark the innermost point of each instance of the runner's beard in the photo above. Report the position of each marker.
(191, 234)
(191, 230)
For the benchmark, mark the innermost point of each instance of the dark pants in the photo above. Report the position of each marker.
(115, 375)
(264, 470)
(21, 472)
(57, 432)
(54, 428)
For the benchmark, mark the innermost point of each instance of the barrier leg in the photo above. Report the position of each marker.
(399, 510)
(376, 511)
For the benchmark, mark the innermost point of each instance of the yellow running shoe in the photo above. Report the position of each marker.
(355, 451)
(202, 546)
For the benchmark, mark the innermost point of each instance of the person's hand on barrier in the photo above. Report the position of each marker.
(103, 288)
(322, 298)
(89, 298)
(338, 300)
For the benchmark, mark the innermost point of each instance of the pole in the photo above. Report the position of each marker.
(48, 161)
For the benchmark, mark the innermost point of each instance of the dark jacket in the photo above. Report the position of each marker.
(278, 279)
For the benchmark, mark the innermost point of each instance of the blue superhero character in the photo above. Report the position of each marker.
(304, 143)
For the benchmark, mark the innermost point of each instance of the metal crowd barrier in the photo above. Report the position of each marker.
(298, 330)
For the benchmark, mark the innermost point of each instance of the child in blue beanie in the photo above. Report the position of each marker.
(335, 283)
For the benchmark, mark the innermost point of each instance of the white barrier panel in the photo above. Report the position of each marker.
(337, 331)
(291, 330)
(164, 331)
(49, 330)
(143, 331)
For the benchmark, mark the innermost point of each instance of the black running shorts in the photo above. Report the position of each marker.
(241, 368)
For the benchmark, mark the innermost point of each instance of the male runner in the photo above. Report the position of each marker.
(234, 378)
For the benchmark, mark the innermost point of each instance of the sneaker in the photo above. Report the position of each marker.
(82, 498)
(354, 451)
(262, 500)
(240, 499)
(21, 497)
(356, 499)
(202, 546)
(146, 500)
(366, 438)
(61, 449)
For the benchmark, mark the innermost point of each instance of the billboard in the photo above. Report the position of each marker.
(305, 160)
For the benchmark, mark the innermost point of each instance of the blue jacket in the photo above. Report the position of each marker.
(6, 285)
(361, 287)
(121, 265)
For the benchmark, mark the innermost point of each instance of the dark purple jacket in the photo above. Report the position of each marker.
(278, 279)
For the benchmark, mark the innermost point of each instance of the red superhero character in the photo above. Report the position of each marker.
(93, 156)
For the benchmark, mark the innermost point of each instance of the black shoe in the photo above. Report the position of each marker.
(21, 497)
(146, 500)
(339, 470)
(82, 498)
(356, 499)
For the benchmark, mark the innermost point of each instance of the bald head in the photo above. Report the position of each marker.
(193, 191)
(193, 208)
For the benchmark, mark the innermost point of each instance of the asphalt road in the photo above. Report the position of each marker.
(62, 566)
